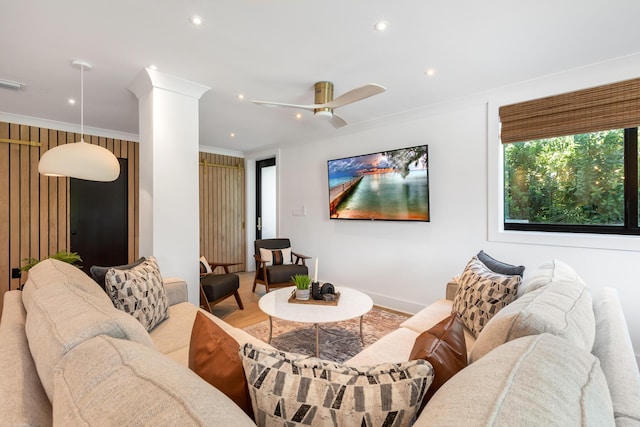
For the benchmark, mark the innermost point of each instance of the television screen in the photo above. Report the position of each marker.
(389, 185)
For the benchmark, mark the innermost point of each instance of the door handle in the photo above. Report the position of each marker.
(259, 226)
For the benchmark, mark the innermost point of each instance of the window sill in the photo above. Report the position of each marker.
(574, 240)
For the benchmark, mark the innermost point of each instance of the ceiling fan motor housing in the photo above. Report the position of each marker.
(324, 94)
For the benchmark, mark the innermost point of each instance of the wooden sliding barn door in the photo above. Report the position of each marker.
(222, 206)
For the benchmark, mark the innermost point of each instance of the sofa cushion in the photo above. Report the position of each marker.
(395, 347)
(25, 402)
(444, 347)
(113, 382)
(499, 266)
(139, 291)
(170, 337)
(614, 349)
(562, 307)
(61, 316)
(536, 380)
(99, 272)
(50, 271)
(545, 273)
(288, 389)
(482, 293)
(213, 355)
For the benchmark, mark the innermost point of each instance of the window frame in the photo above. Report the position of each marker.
(630, 225)
(495, 177)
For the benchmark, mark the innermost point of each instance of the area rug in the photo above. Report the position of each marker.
(339, 341)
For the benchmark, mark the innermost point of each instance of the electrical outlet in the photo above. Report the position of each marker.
(16, 273)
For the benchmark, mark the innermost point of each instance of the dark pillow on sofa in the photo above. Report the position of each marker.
(499, 266)
(98, 273)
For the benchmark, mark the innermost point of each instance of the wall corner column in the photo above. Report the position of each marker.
(169, 195)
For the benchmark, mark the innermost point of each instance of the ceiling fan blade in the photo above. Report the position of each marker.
(337, 121)
(283, 104)
(355, 95)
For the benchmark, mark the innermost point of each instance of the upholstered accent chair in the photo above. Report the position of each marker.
(276, 263)
(217, 287)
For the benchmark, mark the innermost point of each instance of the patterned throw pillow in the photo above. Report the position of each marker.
(292, 389)
(139, 291)
(482, 293)
(276, 256)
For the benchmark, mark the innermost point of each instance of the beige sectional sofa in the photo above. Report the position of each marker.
(68, 357)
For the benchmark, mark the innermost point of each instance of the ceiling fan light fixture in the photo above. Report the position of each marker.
(324, 112)
(79, 159)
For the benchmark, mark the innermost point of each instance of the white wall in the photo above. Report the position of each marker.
(405, 265)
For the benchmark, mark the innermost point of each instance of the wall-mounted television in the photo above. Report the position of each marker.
(389, 185)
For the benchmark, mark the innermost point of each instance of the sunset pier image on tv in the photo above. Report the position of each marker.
(389, 185)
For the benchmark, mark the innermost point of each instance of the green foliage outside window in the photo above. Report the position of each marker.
(577, 179)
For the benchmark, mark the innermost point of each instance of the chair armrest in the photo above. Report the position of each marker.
(300, 257)
(176, 290)
(452, 288)
(224, 265)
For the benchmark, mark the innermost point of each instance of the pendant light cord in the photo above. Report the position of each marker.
(82, 103)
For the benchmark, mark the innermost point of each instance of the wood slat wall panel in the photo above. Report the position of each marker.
(5, 272)
(222, 194)
(44, 199)
(34, 209)
(14, 203)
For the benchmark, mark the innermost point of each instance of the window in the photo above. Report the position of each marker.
(565, 170)
(573, 183)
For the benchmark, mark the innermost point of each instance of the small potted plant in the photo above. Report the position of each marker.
(302, 282)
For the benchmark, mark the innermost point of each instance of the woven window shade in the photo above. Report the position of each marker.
(612, 106)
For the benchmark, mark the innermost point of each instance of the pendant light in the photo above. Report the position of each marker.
(80, 159)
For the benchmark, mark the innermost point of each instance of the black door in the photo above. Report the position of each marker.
(267, 164)
(98, 216)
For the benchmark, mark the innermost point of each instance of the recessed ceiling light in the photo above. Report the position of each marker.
(240, 96)
(381, 25)
(196, 20)
(232, 135)
(71, 101)
(152, 67)
(430, 72)
(298, 116)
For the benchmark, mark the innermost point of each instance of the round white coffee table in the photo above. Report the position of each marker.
(351, 304)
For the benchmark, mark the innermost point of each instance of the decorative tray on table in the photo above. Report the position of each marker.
(292, 299)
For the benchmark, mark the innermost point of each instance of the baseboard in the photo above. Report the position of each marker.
(396, 304)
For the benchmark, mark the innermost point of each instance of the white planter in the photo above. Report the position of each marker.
(303, 294)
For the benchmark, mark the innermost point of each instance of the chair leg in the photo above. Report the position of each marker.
(236, 294)
(206, 305)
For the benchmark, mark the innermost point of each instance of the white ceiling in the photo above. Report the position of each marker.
(276, 50)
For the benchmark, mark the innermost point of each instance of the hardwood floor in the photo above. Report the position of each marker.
(228, 309)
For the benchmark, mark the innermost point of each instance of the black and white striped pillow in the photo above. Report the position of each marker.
(291, 389)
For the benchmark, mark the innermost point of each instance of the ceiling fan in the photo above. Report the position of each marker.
(325, 104)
